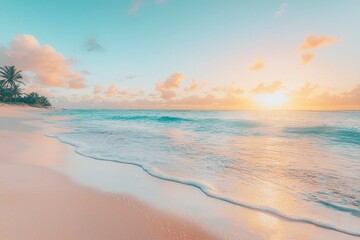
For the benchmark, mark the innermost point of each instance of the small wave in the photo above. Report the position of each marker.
(150, 118)
(210, 122)
(352, 211)
(347, 135)
(173, 119)
(208, 191)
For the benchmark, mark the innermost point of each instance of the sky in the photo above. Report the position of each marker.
(186, 54)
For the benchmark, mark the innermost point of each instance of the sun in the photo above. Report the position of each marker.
(271, 100)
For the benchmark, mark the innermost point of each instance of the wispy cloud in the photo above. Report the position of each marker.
(281, 9)
(271, 88)
(258, 65)
(135, 6)
(229, 91)
(50, 68)
(305, 91)
(195, 86)
(92, 44)
(312, 42)
(306, 58)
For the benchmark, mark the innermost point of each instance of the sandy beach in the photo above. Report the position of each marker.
(179, 120)
(48, 191)
(38, 203)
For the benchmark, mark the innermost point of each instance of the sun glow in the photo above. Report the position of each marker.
(271, 100)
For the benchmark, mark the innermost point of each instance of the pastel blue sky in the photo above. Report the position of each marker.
(136, 44)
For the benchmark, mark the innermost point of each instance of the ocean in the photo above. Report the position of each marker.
(298, 165)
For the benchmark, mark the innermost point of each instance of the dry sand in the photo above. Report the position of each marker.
(38, 203)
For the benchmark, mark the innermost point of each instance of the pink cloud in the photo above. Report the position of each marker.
(258, 65)
(312, 42)
(306, 98)
(307, 58)
(304, 91)
(40, 90)
(111, 91)
(49, 67)
(273, 87)
(350, 99)
(195, 86)
(174, 81)
(167, 87)
(228, 91)
(168, 94)
(281, 10)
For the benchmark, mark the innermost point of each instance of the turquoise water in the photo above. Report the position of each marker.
(300, 166)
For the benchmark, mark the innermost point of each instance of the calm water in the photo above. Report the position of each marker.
(302, 166)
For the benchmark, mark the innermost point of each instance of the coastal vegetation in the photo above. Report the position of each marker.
(11, 81)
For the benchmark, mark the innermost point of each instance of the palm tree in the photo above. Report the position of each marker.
(16, 91)
(34, 99)
(5, 95)
(10, 77)
(11, 92)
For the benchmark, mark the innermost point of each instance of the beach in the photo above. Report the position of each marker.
(51, 190)
(184, 120)
(39, 203)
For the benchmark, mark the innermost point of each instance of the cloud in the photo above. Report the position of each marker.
(135, 6)
(168, 94)
(92, 44)
(305, 91)
(307, 58)
(124, 93)
(312, 42)
(208, 101)
(305, 98)
(258, 65)
(195, 100)
(111, 91)
(174, 81)
(49, 67)
(233, 91)
(273, 87)
(281, 9)
(228, 91)
(98, 89)
(345, 99)
(195, 86)
(166, 88)
(40, 90)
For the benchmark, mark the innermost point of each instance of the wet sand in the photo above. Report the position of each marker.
(39, 203)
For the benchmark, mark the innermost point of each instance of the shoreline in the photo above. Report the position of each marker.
(207, 215)
(45, 204)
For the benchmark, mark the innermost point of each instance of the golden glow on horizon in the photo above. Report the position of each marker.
(271, 100)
